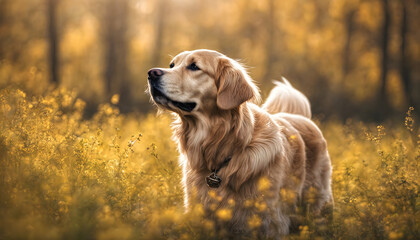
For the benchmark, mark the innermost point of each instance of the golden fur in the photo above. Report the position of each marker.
(285, 98)
(285, 151)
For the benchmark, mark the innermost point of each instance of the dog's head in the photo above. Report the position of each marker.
(201, 81)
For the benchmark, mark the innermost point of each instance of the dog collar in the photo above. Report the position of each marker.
(213, 180)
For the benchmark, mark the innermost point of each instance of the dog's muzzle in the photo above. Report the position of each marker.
(160, 97)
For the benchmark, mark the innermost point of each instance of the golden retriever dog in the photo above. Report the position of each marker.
(250, 167)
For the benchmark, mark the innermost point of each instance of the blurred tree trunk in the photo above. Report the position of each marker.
(3, 25)
(270, 48)
(115, 38)
(405, 61)
(382, 100)
(161, 7)
(349, 23)
(53, 40)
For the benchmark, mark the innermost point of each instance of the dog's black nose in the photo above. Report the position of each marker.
(155, 73)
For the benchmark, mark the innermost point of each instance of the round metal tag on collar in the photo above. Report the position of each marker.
(213, 180)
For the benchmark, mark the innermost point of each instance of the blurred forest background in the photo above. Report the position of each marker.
(352, 58)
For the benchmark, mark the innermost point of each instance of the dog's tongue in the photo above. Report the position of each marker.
(188, 107)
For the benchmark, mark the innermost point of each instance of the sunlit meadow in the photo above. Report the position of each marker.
(116, 176)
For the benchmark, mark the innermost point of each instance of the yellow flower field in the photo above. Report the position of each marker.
(116, 176)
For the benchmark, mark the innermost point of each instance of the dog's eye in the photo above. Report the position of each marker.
(193, 67)
(172, 65)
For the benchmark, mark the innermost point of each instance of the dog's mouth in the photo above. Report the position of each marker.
(160, 98)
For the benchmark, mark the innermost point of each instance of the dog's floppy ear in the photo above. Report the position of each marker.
(233, 87)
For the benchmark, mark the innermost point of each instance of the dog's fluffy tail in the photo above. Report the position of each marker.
(285, 98)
